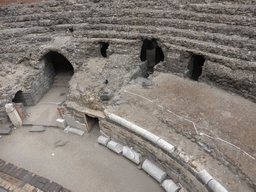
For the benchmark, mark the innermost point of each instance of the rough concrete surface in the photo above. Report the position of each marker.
(78, 163)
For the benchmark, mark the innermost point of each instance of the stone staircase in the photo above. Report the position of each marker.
(62, 79)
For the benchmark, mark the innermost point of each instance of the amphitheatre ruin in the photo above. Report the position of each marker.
(173, 80)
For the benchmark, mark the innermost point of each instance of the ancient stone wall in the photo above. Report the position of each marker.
(223, 33)
(176, 168)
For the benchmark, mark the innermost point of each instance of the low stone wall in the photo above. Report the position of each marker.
(175, 166)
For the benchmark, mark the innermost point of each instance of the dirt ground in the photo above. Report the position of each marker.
(170, 100)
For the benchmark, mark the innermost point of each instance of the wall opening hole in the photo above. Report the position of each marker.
(91, 122)
(19, 98)
(58, 62)
(103, 48)
(71, 29)
(152, 53)
(195, 66)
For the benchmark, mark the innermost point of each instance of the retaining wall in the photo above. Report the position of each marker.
(223, 33)
(164, 155)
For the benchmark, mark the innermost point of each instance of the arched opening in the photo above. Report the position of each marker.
(152, 53)
(58, 69)
(19, 98)
(195, 67)
(103, 49)
(59, 62)
(91, 122)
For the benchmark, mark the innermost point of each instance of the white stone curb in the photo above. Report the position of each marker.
(154, 171)
(170, 186)
(208, 180)
(132, 155)
(215, 186)
(204, 176)
(142, 132)
(165, 145)
(103, 140)
(114, 146)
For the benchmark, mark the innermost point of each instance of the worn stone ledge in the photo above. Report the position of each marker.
(177, 161)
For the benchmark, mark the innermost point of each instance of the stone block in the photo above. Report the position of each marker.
(73, 130)
(107, 95)
(114, 146)
(73, 123)
(37, 129)
(154, 171)
(215, 186)
(170, 186)
(5, 131)
(103, 140)
(132, 155)
(165, 145)
(204, 176)
(61, 123)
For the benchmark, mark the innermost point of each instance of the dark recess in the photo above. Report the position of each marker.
(59, 62)
(91, 122)
(71, 30)
(197, 63)
(151, 52)
(103, 49)
(19, 98)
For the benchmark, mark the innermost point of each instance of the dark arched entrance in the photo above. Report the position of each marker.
(103, 49)
(58, 62)
(58, 69)
(195, 67)
(19, 98)
(152, 53)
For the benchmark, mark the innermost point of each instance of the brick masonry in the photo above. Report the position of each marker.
(16, 179)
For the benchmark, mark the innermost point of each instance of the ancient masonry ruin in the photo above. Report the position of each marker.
(213, 42)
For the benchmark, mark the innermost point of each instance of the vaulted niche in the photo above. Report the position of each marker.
(152, 53)
(195, 67)
(19, 98)
(103, 48)
(91, 122)
(58, 63)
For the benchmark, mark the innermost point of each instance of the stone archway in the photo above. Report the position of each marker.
(19, 98)
(58, 62)
(58, 68)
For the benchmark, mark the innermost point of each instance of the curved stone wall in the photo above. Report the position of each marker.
(223, 33)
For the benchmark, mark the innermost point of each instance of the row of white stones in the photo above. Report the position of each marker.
(202, 175)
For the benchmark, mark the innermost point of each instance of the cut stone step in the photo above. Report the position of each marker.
(37, 129)
(5, 131)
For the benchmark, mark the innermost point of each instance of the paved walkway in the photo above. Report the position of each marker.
(16, 179)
